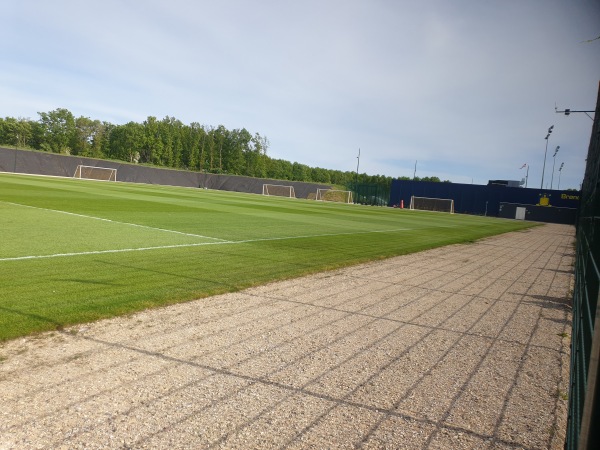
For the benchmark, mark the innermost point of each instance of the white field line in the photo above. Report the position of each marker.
(222, 242)
(115, 221)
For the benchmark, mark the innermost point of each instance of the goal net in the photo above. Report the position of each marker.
(432, 204)
(334, 195)
(95, 173)
(279, 190)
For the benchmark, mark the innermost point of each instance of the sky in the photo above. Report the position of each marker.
(464, 90)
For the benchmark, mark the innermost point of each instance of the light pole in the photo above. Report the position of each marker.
(553, 164)
(527, 175)
(357, 164)
(545, 153)
(562, 164)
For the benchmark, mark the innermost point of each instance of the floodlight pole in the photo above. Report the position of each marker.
(562, 164)
(357, 164)
(553, 165)
(545, 153)
(415, 172)
(526, 175)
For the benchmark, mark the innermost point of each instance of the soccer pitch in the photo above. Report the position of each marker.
(74, 251)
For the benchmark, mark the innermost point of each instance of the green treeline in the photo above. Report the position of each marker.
(168, 143)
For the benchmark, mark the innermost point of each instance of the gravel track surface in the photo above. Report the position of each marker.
(461, 347)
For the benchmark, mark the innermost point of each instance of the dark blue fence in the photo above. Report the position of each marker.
(481, 200)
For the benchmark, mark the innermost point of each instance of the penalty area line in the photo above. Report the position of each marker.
(101, 252)
(116, 221)
(201, 244)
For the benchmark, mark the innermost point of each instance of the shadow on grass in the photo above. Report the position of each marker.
(33, 316)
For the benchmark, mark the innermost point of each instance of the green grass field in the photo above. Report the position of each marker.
(74, 251)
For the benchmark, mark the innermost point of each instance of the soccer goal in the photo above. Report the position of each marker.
(279, 190)
(334, 195)
(432, 204)
(95, 173)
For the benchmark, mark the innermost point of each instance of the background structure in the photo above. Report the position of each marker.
(543, 205)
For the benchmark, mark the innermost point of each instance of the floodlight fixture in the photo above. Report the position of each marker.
(553, 165)
(562, 164)
(545, 153)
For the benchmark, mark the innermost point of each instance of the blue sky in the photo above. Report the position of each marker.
(467, 89)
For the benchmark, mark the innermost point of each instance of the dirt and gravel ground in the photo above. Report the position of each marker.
(461, 347)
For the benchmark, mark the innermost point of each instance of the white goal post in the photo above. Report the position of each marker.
(334, 195)
(279, 190)
(432, 204)
(95, 173)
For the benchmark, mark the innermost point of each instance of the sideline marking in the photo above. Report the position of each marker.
(200, 244)
(114, 221)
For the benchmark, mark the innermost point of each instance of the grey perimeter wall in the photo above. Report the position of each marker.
(41, 163)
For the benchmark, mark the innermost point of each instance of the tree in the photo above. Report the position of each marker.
(192, 140)
(219, 136)
(257, 157)
(171, 143)
(125, 142)
(151, 150)
(58, 128)
(88, 137)
(300, 172)
(239, 152)
(17, 132)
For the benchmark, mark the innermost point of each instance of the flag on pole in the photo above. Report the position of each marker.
(524, 165)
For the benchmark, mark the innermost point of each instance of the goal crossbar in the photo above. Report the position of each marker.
(279, 190)
(95, 173)
(432, 204)
(334, 195)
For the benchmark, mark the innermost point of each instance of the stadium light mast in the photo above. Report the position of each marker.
(545, 153)
(553, 165)
(562, 164)
(526, 175)
(357, 164)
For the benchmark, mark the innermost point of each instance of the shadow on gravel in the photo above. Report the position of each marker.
(571, 271)
(548, 302)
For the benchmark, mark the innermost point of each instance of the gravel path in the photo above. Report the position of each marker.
(465, 346)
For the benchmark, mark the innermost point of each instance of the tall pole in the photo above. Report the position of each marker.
(415, 172)
(559, 173)
(553, 164)
(357, 164)
(526, 175)
(545, 153)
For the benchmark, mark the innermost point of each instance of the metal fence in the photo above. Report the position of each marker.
(583, 429)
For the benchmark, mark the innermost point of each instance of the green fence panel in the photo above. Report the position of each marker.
(583, 425)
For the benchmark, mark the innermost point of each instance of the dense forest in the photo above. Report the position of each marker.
(168, 143)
